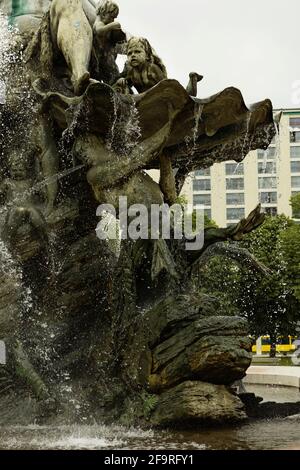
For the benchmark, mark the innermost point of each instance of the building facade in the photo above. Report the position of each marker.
(229, 191)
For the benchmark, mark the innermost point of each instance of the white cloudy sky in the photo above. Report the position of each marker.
(250, 44)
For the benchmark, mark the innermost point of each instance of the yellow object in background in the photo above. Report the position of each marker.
(284, 344)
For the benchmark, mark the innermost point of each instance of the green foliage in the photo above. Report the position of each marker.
(264, 242)
(270, 303)
(182, 200)
(208, 222)
(149, 403)
(290, 243)
(295, 203)
(220, 277)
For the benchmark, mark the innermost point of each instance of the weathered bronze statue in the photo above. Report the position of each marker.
(74, 134)
(73, 36)
(144, 69)
(17, 191)
(108, 40)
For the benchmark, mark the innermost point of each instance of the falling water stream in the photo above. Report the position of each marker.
(252, 435)
(277, 433)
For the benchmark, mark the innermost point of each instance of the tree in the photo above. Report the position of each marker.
(290, 244)
(295, 203)
(271, 308)
(270, 303)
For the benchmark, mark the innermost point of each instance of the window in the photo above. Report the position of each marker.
(295, 132)
(266, 183)
(295, 136)
(266, 167)
(235, 183)
(295, 167)
(203, 199)
(295, 181)
(234, 169)
(268, 154)
(268, 198)
(295, 152)
(203, 172)
(207, 212)
(235, 199)
(235, 213)
(295, 123)
(270, 211)
(201, 185)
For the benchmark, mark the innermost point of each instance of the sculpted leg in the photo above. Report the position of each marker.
(167, 179)
(115, 169)
(49, 161)
(73, 36)
(19, 216)
(194, 79)
(25, 370)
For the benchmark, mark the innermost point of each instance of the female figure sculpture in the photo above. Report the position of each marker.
(73, 36)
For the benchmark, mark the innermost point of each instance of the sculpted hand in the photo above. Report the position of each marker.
(254, 220)
(115, 26)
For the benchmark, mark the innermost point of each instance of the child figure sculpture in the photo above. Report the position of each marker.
(16, 191)
(107, 43)
(144, 69)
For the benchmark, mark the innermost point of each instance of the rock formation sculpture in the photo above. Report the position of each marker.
(91, 335)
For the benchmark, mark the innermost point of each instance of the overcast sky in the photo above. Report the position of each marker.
(252, 45)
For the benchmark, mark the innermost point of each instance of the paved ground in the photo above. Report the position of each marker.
(276, 394)
(274, 375)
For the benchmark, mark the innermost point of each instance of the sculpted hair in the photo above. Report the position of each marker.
(107, 7)
(152, 57)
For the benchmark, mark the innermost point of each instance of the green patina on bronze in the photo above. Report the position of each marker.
(17, 9)
(132, 333)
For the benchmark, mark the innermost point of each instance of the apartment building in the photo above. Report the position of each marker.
(231, 190)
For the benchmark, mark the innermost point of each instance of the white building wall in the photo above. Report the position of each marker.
(266, 177)
(272, 185)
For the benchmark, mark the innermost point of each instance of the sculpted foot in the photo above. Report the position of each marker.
(192, 86)
(195, 76)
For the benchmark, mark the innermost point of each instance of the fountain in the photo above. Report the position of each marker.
(91, 335)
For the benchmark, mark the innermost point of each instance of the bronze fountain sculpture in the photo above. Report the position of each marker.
(75, 133)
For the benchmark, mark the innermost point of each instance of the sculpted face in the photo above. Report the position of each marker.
(17, 167)
(108, 17)
(109, 12)
(136, 55)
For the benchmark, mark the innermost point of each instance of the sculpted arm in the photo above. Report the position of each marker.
(3, 192)
(101, 29)
(49, 159)
(156, 73)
